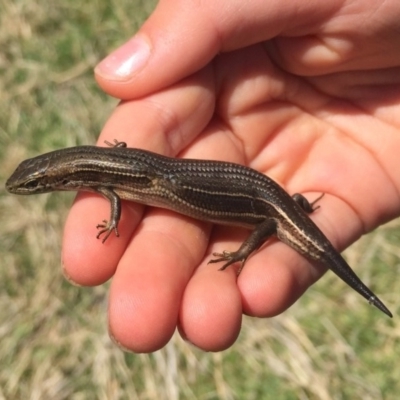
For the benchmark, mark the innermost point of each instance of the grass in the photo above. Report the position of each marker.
(53, 336)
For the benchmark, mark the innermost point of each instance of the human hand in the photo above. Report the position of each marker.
(315, 107)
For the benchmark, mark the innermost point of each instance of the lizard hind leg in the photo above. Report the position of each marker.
(256, 238)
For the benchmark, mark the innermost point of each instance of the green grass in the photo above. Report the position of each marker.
(53, 336)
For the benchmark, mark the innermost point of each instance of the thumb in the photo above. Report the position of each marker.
(181, 37)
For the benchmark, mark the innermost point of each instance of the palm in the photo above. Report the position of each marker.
(309, 140)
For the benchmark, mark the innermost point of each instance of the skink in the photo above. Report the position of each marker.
(214, 191)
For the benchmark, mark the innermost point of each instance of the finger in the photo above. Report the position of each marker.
(149, 283)
(211, 312)
(181, 37)
(165, 123)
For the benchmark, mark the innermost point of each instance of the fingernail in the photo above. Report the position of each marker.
(126, 61)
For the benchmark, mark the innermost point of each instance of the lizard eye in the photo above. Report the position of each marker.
(31, 184)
